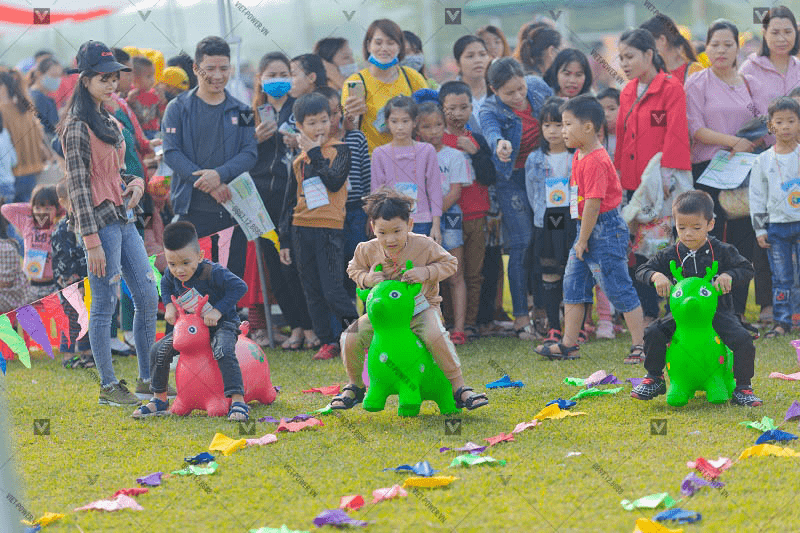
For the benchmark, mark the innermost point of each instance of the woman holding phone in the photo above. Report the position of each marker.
(366, 92)
(273, 105)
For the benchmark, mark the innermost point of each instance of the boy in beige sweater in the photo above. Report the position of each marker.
(393, 245)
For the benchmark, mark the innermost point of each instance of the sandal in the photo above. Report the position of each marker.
(239, 408)
(346, 402)
(458, 338)
(553, 337)
(636, 355)
(583, 337)
(71, 363)
(473, 401)
(313, 344)
(527, 333)
(776, 331)
(564, 352)
(87, 360)
(162, 409)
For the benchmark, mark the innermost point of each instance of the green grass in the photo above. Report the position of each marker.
(540, 489)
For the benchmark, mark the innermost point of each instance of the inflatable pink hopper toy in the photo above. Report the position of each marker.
(198, 379)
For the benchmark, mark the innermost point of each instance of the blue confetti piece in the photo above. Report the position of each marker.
(503, 383)
(200, 458)
(423, 468)
(775, 435)
(562, 403)
(679, 515)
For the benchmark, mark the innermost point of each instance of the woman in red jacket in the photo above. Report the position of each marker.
(651, 119)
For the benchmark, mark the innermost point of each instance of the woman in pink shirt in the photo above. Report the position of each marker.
(718, 104)
(774, 72)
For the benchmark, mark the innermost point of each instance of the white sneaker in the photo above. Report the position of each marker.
(605, 330)
(129, 339)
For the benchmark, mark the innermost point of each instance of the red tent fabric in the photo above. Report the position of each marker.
(10, 14)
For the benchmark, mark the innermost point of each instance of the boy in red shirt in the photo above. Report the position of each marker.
(600, 252)
(143, 98)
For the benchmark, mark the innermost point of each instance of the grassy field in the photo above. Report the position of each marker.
(92, 451)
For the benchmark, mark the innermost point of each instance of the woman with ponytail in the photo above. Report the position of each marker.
(651, 120)
(105, 204)
(673, 47)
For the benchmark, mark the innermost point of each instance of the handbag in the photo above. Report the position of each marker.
(736, 202)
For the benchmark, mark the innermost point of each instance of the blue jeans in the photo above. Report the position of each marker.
(517, 233)
(784, 240)
(125, 258)
(423, 228)
(23, 187)
(605, 263)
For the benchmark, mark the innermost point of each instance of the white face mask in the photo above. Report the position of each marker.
(348, 70)
(50, 83)
(415, 61)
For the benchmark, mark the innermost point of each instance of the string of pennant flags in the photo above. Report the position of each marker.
(44, 320)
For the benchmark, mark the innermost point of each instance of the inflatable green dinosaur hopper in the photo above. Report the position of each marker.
(696, 357)
(397, 361)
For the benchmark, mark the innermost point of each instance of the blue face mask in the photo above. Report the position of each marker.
(277, 87)
(383, 66)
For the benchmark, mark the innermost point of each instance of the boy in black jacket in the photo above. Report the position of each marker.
(694, 251)
(455, 97)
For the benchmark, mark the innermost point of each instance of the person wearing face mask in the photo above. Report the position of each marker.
(337, 56)
(273, 105)
(44, 80)
(415, 58)
(366, 92)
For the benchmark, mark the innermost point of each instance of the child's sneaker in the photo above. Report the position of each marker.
(143, 389)
(327, 351)
(118, 394)
(745, 397)
(458, 338)
(649, 388)
(605, 330)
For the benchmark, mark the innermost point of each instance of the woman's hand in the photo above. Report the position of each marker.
(504, 150)
(742, 145)
(96, 261)
(355, 106)
(436, 233)
(762, 241)
(291, 140)
(286, 256)
(134, 190)
(265, 130)
(465, 144)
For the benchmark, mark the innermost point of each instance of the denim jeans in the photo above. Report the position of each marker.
(517, 233)
(423, 228)
(223, 345)
(23, 187)
(784, 240)
(125, 258)
(604, 263)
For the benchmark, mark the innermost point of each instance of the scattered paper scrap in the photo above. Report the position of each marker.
(282, 529)
(45, 520)
(522, 426)
(395, 491)
(33, 529)
(595, 392)
(351, 503)
(765, 425)
(693, 483)
(610, 379)
(269, 420)
(338, 518)
(503, 383)
(573, 454)
(422, 468)
(561, 403)
(635, 381)
(651, 501)
(269, 438)
(120, 502)
(429, 482)
(796, 344)
(678, 515)
(151, 480)
(775, 435)
(130, 492)
(720, 463)
(502, 437)
(200, 458)
(793, 411)
(548, 412)
(645, 525)
(330, 390)
(198, 470)
(324, 411)
(763, 450)
(225, 444)
(297, 426)
(787, 377)
(470, 447)
(472, 460)
(595, 378)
